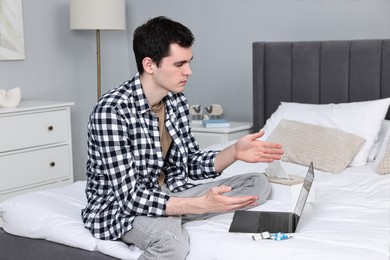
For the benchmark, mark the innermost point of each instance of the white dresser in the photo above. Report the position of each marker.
(35, 147)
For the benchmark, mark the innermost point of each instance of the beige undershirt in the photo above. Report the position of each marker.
(165, 137)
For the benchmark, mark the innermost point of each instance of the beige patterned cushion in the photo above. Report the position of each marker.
(384, 165)
(330, 149)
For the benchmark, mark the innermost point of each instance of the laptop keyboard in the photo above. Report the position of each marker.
(273, 222)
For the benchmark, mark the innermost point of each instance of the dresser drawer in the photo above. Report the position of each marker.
(30, 130)
(35, 167)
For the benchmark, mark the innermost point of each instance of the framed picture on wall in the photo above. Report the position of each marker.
(11, 30)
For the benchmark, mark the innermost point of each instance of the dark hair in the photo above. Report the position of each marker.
(153, 39)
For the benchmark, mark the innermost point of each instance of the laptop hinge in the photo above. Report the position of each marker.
(295, 221)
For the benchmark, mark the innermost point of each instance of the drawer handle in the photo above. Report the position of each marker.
(50, 128)
(52, 164)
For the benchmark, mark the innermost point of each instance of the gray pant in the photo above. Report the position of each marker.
(164, 238)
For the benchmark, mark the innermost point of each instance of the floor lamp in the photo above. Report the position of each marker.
(97, 15)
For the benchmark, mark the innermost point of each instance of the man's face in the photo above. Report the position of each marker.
(174, 70)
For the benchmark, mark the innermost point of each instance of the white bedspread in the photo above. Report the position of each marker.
(349, 219)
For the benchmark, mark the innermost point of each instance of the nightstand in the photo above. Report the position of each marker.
(35, 147)
(209, 136)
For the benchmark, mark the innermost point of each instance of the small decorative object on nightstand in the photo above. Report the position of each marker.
(196, 112)
(214, 111)
(209, 136)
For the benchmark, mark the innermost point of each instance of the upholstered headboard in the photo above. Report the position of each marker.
(318, 72)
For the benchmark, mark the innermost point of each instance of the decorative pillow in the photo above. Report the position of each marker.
(330, 149)
(381, 137)
(384, 165)
(382, 161)
(360, 118)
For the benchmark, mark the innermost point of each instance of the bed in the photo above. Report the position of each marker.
(323, 86)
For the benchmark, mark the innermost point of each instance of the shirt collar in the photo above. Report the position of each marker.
(142, 104)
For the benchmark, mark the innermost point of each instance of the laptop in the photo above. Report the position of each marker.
(246, 221)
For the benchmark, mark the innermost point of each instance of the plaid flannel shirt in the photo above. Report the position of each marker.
(125, 159)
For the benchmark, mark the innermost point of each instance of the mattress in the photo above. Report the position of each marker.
(348, 219)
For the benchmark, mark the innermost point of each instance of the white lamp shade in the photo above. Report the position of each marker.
(97, 15)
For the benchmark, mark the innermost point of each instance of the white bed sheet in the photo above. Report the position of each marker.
(349, 219)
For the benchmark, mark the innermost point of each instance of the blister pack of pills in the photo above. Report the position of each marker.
(272, 236)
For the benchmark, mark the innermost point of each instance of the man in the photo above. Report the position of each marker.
(139, 132)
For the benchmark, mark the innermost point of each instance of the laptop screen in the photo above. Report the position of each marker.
(305, 191)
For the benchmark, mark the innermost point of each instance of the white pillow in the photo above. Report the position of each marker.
(55, 215)
(360, 118)
(381, 137)
(55, 218)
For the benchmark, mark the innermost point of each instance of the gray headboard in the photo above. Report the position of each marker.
(318, 72)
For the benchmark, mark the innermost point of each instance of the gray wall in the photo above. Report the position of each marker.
(60, 64)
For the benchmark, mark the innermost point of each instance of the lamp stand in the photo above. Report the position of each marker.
(98, 63)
